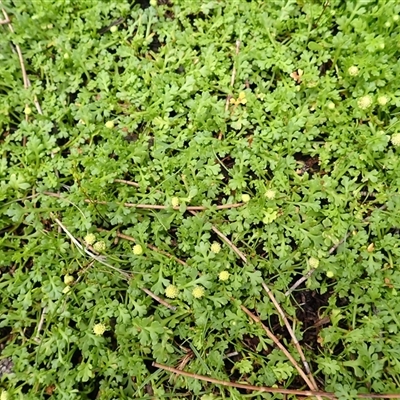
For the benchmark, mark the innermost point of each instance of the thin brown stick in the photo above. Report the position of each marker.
(226, 240)
(89, 253)
(307, 393)
(293, 336)
(153, 206)
(150, 246)
(100, 260)
(233, 76)
(25, 78)
(130, 183)
(40, 325)
(300, 281)
(159, 299)
(160, 207)
(232, 354)
(334, 248)
(229, 243)
(185, 360)
(279, 344)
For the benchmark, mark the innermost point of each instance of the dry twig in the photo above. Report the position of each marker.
(152, 206)
(161, 207)
(159, 299)
(100, 259)
(314, 385)
(89, 253)
(233, 77)
(130, 183)
(226, 240)
(40, 325)
(25, 78)
(150, 246)
(306, 393)
(279, 344)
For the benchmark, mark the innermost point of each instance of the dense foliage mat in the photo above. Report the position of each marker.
(277, 119)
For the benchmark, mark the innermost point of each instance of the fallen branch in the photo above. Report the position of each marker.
(100, 259)
(152, 206)
(40, 325)
(160, 207)
(150, 246)
(130, 183)
(233, 77)
(307, 393)
(89, 253)
(293, 336)
(25, 78)
(279, 344)
(159, 299)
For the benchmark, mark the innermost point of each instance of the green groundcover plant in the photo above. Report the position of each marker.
(287, 110)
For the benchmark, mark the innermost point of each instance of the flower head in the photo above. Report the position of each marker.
(137, 249)
(396, 139)
(313, 262)
(383, 100)
(215, 247)
(68, 279)
(245, 198)
(99, 329)
(113, 29)
(353, 70)
(90, 238)
(365, 102)
(223, 276)
(240, 100)
(4, 395)
(396, 17)
(99, 246)
(28, 110)
(331, 105)
(330, 274)
(175, 202)
(171, 291)
(198, 292)
(270, 194)
(110, 124)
